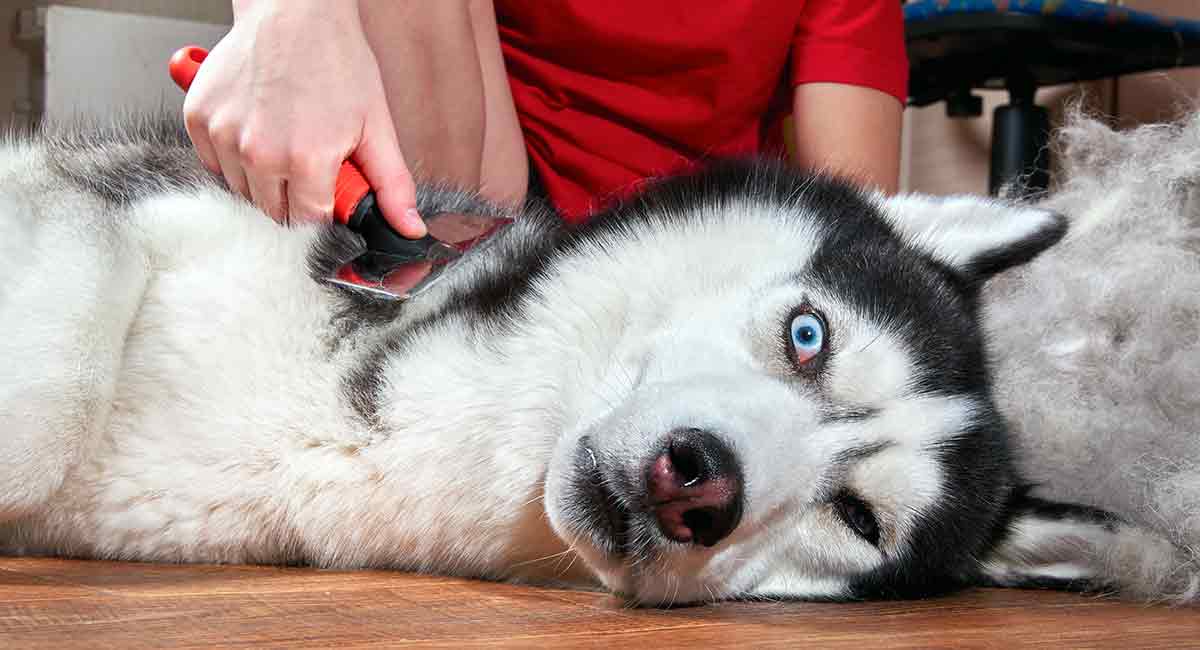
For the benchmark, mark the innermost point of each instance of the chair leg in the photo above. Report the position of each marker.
(1020, 141)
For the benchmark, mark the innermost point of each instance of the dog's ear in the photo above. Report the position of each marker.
(1072, 547)
(975, 236)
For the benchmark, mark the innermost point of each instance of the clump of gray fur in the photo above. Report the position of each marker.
(1096, 346)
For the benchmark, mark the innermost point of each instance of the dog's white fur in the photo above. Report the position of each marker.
(135, 362)
(171, 391)
(1097, 345)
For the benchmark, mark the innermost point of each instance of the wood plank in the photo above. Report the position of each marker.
(51, 603)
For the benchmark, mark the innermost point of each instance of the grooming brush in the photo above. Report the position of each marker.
(393, 266)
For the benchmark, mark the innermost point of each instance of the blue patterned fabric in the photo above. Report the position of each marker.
(1081, 10)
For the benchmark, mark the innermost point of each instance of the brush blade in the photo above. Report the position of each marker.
(399, 277)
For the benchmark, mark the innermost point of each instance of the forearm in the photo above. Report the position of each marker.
(444, 77)
(849, 130)
(504, 171)
(431, 76)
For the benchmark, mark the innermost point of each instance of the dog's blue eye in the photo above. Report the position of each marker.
(808, 336)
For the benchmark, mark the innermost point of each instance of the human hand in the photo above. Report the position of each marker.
(291, 92)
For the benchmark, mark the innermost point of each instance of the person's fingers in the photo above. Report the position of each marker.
(231, 169)
(379, 158)
(310, 187)
(196, 124)
(267, 192)
(265, 164)
(224, 138)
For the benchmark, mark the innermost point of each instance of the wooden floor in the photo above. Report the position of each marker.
(48, 603)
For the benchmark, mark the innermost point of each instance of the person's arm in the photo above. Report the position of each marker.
(445, 81)
(429, 64)
(504, 169)
(849, 130)
(288, 94)
(849, 76)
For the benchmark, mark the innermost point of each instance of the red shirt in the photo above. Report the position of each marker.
(609, 92)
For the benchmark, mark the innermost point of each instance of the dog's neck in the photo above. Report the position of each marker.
(470, 426)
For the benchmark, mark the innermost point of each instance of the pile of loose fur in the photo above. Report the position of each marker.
(1096, 346)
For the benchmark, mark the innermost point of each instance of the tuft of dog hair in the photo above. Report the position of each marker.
(1096, 346)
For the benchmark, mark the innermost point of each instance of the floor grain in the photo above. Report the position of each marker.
(50, 603)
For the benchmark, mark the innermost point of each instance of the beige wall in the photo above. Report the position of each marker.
(20, 61)
(947, 156)
(17, 61)
(210, 11)
(1156, 96)
(944, 156)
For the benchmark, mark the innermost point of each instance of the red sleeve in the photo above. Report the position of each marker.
(858, 42)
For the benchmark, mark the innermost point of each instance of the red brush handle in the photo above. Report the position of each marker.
(351, 185)
(184, 65)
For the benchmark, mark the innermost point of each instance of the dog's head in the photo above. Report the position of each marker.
(787, 393)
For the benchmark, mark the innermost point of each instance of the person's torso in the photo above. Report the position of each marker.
(611, 92)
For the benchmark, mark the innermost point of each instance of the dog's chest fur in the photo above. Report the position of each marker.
(228, 434)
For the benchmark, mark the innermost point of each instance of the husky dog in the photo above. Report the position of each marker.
(746, 381)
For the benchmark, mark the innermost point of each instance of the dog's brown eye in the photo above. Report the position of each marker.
(858, 516)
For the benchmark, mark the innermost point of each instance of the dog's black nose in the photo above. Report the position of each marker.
(694, 488)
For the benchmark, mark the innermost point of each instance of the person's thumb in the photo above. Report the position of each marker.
(378, 156)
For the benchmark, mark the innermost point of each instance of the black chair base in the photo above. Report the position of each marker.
(952, 55)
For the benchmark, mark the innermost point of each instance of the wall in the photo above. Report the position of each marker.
(944, 156)
(211, 11)
(17, 62)
(1155, 96)
(20, 62)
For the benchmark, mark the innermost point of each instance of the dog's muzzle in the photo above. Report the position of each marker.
(690, 491)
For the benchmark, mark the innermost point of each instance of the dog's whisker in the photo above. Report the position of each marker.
(871, 342)
(541, 559)
(574, 557)
(539, 497)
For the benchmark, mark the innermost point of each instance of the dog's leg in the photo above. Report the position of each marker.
(69, 289)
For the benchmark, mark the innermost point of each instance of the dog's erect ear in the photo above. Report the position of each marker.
(1078, 548)
(975, 236)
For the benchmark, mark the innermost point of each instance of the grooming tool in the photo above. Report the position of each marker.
(393, 265)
